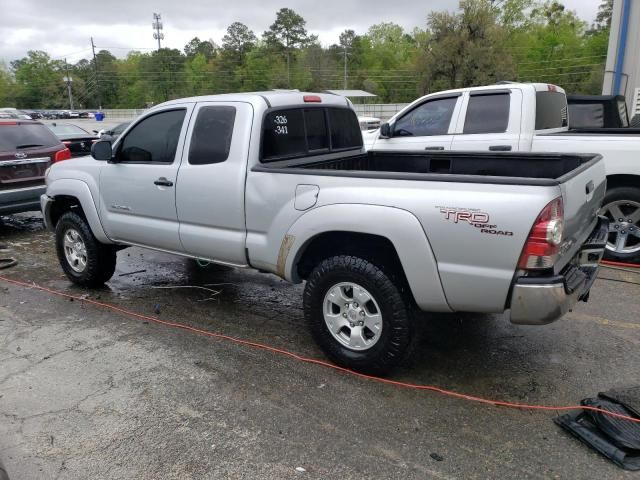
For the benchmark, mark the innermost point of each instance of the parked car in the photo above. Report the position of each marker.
(27, 149)
(77, 139)
(34, 114)
(524, 117)
(279, 181)
(83, 114)
(113, 133)
(16, 113)
(74, 114)
(369, 123)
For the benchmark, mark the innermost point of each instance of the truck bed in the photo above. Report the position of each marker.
(477, 167)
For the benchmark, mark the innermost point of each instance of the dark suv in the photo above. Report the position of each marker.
(27, 149)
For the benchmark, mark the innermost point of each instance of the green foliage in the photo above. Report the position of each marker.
(482, 42)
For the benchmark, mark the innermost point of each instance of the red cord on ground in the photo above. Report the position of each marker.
(315, 361)
(620, 264)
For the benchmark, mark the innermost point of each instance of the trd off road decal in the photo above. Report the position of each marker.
(475, 218)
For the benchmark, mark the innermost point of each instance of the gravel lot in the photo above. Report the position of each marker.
(90, 393)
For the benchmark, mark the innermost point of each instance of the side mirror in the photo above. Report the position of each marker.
(385, 130)
(102, 150)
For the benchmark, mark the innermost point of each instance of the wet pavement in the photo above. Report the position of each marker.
(90, 393)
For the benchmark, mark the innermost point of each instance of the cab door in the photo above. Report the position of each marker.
(137, 189)
(489, 121)
(428, 126)
(211, 182)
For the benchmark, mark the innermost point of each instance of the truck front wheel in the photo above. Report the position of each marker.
(84, 260)
(358, 315)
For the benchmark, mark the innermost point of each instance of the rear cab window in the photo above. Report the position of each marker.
(303, 131)
(23, 136)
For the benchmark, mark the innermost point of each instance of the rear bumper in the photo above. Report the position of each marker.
(20, 199)
(542, 300)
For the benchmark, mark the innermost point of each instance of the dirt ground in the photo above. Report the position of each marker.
(91, 393)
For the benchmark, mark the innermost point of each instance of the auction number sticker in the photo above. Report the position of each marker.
(281, 125)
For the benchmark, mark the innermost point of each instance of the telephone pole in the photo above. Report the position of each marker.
(68, 81)
(157, 27)
(95, 69)
(345, 67)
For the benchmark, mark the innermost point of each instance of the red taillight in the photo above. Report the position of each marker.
(66, 142)
(8, 123)
(64, 154)
(312, 99)
(543, 243)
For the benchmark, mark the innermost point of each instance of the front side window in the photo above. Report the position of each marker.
(487, 114)
(431, 118)
(154, 139)
(211, 138)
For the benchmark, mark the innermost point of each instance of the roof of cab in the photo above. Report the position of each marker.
(271, 98)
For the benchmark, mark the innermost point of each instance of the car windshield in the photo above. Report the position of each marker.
(67, 129)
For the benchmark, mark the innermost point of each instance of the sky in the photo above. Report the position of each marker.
(64, 28)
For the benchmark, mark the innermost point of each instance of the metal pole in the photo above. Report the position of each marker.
(68, 80)
(345, 67)
(95, 68)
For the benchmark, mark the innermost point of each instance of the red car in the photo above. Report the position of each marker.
(27, 149)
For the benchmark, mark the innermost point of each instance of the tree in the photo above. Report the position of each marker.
(238, 41)
(39, 81)
(287, 33)
(207, 48)
(7, 94)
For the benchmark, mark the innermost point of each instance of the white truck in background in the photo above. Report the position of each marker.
(523, 117)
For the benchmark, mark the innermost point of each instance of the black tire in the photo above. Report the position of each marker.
(396, 337)
(101, 259)
(617, 194)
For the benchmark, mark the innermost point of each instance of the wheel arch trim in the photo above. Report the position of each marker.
(400, 227)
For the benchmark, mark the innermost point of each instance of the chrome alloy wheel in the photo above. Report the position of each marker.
(352, 316)
(75, 251)
(624, 226)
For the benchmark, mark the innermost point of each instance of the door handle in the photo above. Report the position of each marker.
(500, 148)
(163, 182)
(434, 148)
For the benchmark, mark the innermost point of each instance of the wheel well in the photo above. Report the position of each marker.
(614, 181)
(63, 204)
(374, 248)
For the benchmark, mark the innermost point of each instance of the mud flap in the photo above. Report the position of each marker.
(616, 439)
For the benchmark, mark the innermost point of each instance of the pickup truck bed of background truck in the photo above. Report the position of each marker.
(524, 118)
(279, 181)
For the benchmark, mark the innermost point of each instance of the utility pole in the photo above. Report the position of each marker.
(95, 69)
(157, 26)
(345, 67)
(68, 81)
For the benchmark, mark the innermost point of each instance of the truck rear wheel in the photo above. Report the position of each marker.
(84, 260)
(358, 315)
(622, 206)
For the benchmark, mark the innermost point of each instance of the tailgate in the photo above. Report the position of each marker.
(583, 191)
(26, 171)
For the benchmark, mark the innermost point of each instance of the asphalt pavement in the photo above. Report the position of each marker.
(88, 392)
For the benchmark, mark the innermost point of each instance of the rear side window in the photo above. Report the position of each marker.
(551, 110)
(431, 118)
(154, 139)
(211, 138)
(487, 114)
(297, 132)
(25, 136)
(345, 129)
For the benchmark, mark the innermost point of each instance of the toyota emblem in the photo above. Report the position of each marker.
(21, 155)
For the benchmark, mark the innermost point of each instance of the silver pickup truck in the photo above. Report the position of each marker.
(280, 182)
